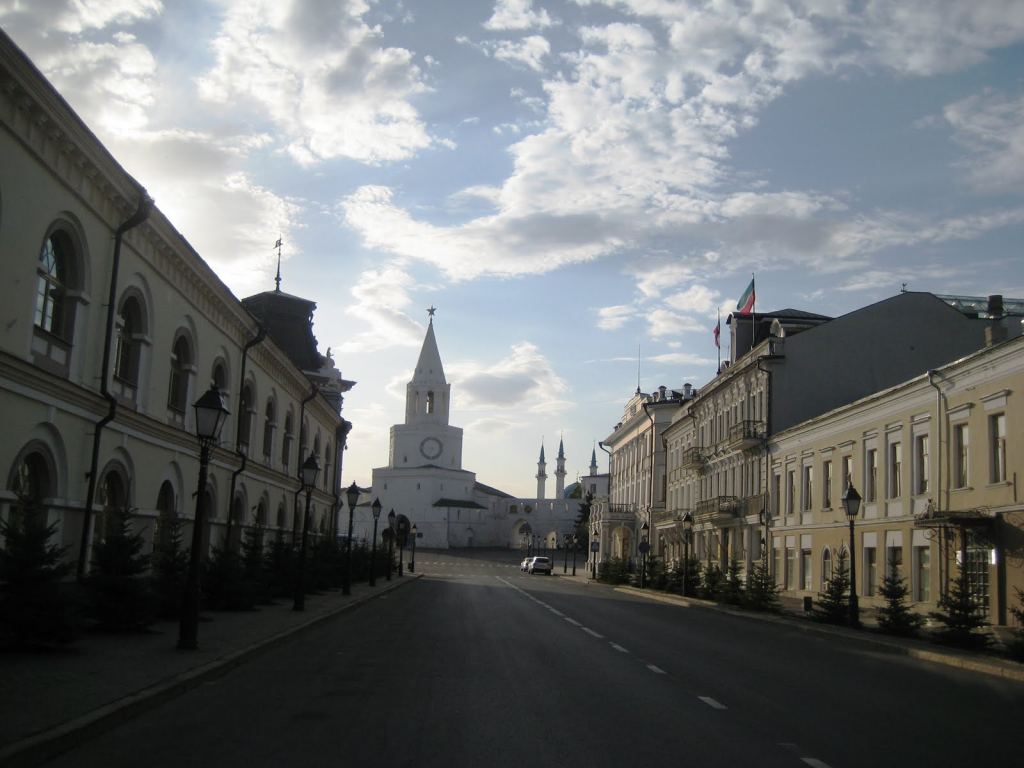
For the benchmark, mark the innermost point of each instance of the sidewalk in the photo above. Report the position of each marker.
(919, 649)
(49, 699)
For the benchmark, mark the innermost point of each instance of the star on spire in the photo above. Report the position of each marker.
(430, 312)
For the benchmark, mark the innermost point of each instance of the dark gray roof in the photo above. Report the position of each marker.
(491, 491)
(458, 503)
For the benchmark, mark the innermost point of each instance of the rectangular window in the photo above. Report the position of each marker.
(997, 435)
(870, 571)
(961, 447)
(871, 475)
(921, 464)
(826, 485)
(791, 582)
(807, 488)
(776, 491)
(778, 567)
(847, 471)
(805, 569)
(922, 573)
(895, 469)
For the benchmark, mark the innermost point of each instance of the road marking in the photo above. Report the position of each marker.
(618, 648)
(592, 633)
(712, 703)
(573, 622)
(659, 671)
(815, 762)
(556, 612)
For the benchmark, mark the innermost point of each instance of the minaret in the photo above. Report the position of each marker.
(560, 471)
(542, 476)
(593, 462)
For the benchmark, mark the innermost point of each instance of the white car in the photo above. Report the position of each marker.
(525, 565)
(539, 565)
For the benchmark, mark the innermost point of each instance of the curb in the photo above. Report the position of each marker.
(46, 745)
(1007, 670)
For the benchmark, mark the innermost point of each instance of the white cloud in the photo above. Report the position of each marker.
(525, 379)
(612, 318)
(530, 51)
(991, 127)
(517, 15)
(698, 299)
(381, 302)
(664, 322)
(321, 74)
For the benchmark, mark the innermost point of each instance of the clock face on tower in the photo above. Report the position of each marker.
(430, 447)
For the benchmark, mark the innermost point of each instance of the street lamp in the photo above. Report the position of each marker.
(391, 541)
(402, 533)
(310, 469)
(211, 413)
(352, 496)
(644, 548)
(595, 547)
(687, 523)
(575, 543)
(412, 557)
(851, 506)
(375, 508)
(565, 554)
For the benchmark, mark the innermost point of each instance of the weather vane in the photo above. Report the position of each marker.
(277, 280)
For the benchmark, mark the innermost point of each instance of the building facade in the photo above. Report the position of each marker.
(113, 327)
(936, 460)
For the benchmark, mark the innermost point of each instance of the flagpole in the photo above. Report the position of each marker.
(753, 311)
(718, 339)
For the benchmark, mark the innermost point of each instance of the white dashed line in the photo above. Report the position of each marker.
(658, 670)
(815, 762)
(618, 648)
(573, 622)
(592, 633)
(712, 703)
(557, 612)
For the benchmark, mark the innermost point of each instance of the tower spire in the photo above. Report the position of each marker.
(542, 475)
(277, 279)
(560, 471)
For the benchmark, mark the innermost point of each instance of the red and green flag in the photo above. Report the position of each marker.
(746, 303)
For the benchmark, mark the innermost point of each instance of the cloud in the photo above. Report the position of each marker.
(697, 298)
(517, 15)
(524, 379)
(990, 126)
(381, 302)
(612, 318)
(320, 73)
(530, 51)
(664, 322)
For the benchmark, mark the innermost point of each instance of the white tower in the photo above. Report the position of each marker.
(542, 476)
(560, 471)
(593, 462)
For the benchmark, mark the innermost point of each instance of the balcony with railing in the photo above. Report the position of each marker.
(718, 510)
(746, 434)
(693, 458)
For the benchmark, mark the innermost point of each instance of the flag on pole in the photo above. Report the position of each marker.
(746, 303)
(718, 333)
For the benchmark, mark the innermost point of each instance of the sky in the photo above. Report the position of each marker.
(579, 187)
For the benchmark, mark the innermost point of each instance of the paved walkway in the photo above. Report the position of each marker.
(51, 700)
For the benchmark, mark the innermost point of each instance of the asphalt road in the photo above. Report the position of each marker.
(477, 664)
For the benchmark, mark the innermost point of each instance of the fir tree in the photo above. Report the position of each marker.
(254, 564)
(169, 568)
(962, 615)
(762, 593)
(224, 584)
(120, 597)
(896, 617)
(691, 570)
(833, 605)
(35, 611)
(711, 582)
(732, 589)
(280, 563)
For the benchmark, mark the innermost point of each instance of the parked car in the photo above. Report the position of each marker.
(525, 565)
(539, 565)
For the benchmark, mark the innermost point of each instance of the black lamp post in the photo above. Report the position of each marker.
(644, 547)
(412, 557)
(565, 554)
(402, 533)
(375, 508)
(595, 548)
(352, 496)
(391, 541)
(687, 523)
(310, 469)
(575, 543)
(851, 506)
(211, 413)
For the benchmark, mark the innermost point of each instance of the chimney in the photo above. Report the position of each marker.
(995, 306)
(661, 392)
(995, 331)
(687, 390)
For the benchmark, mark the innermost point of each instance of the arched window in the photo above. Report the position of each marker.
(113, 501)
(220, 376)
(325, 470)
(56, 294)
(286, 445)
(430, 402)
(181, 368)
(302, 444)
(31, 483)
(281, 516)
(826, 567)
(269, 423)
(166, 521)
(245, 418)
(127, 356)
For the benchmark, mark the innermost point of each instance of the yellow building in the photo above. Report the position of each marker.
(937, 461)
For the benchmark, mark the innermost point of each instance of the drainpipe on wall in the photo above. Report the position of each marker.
(767, 465)
(940, 418)
(145, 205)
(261, 334)
(341, 444)
(298, 464)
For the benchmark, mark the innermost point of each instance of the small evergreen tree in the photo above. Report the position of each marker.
(280, 562)
(224, 585)
(35, 610)
(691, 570)
(120, 595)
(762, 593)
(169, 569)
(711, 582)
(254, 570)
(896, 617)
(732, 588)
(833, 606)
(962, 615)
